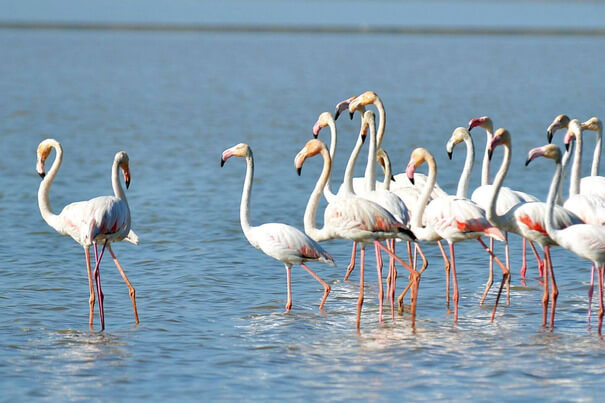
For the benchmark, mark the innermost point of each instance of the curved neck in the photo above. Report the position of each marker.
(596, 158)
(347, 185)
(370, 174)
(387, 173)
(574, 184)
(550, 203)
(492, 216)
(329, 195)
(485, 166)
(426, 193)
(465, 176)
(564, 164)
(382, 116)
(118, 191)
(44, 189)
(244, 207)
(311, 210)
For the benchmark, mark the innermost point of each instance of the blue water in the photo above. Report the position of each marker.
(211, 306)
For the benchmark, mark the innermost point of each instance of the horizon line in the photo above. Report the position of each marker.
(281, 28)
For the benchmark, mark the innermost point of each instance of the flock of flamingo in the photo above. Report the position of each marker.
(408, 206)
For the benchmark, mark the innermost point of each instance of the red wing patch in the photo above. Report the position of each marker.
(472, 225)
(309, 252)
(536, 226)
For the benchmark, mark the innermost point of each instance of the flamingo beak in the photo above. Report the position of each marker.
(549, 136)
(299, 170)
(449, 154)
(533, 154)
(40, 169)
(409, 170)
(351, 115)
(490, 152)
(393, 178)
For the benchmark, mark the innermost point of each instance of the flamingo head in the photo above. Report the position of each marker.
(418, 156)
(312, 148)
(43, 152)
(484, 122)
(122, 159)
(368, 97)
(342, 106)
(551, 151)
(239, 150)
(574, 129)
(593, 124)
(560, 122)
(383, 160)
(502, 136)
(459, 135)
(322, 121)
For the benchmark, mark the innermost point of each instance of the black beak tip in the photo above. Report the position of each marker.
(567, 146)
(222, 162)
(351, 115)
(549, 137)
(336, 114)
(42, 174)
(393, 178)
(489, 154)
(363, 138)
(449, 154)
(411, 181)
(315, 135)
(127, 184)
(470, 128)
(527, 161)
(298, 170)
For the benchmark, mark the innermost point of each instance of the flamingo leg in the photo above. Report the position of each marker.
(505, 275)
(554, 289)
(352, 263)
(455, 297)
(380, 288)
(325, 285)
(590, 291)
(447, 273)
(91, 299)
(391, 278)
(362, 255)
(524, 259)
(537, 255)
(97, 275)
(412, 276)
(490, 279)
(507, 257)
(289, 287)
(601, 309)
(545, 296)
(131, 291)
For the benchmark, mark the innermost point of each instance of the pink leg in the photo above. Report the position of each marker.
(352, 264)
(545, 296)
(601, 309)
(524, 259)
(393, 280)
(555, 290)
(590, 291)
(97, 275)
(91, 298)
(380, 288)
(505, 275)
(378, 257)
(490, 279)
(507, 256)
(131, 291)
(289, 285)
(322, 282)
(455, 297)
(447, 273)
(540, 262)
(362, 255)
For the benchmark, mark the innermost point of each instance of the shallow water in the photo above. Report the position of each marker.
(211, 306)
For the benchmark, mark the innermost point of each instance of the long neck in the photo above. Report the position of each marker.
(382, 116)
(329, 195)
(370, 174)
(347, 184)
(118, 191)
(574, 184)
(492, 216)
(44, 189)
(596, 158)
(564, 164)
(387, 174)
(485, 165)
(311, 210)
(550, 203)
(426, 193)
(244, 208)
(465, 176)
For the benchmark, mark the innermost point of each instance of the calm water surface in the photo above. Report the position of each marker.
(211, 306)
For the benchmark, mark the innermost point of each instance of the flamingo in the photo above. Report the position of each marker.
(454, 219)
(593, 185)
(527, 220)
(282, 242)
(482, 194)
(351, 217)
(104, 219)
(585, 240)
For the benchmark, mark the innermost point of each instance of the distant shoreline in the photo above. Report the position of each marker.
(310, 29)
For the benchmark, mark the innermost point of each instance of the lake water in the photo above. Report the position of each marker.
(211, 306)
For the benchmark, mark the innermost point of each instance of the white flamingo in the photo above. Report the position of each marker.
(526, 219)
(585, 240)
(454, 219)
(351, 217)
(482, 194)
(282, 242)
(103, 220)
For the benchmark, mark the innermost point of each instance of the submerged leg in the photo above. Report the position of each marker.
(91, 299)
(507, 256)
(352, 263)
(490, 279)
(555, 290)
(505, 275)
(601, 309)
(380, 288)
(131, 291)
(590, 291)
(524, 259)
(362, 256)
(545, 296)
(322, 282)
(447, 273)
(289, 287)
(454, 281)
(97, 275)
